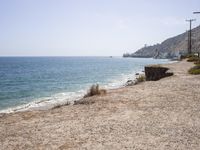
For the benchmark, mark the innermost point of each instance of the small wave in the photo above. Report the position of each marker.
(121, 81)
(47, 102)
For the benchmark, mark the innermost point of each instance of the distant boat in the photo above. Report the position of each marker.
(111, 57)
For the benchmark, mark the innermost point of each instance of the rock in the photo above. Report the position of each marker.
(154, 72)
(196, 67)
(137, 74)
(130, 83)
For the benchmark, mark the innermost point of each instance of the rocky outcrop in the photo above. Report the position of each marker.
(154, 73)
(171, 47)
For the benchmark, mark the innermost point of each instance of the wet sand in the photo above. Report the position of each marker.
(162, 114)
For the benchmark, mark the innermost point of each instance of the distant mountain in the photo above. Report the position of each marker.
(170, 47)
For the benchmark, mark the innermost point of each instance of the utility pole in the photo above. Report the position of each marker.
(197, 12)
(190, 35)
(188, 41)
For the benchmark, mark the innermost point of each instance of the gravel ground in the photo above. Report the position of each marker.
(162, 114)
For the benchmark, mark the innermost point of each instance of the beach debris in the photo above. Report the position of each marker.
(84, 102)
(60, 105)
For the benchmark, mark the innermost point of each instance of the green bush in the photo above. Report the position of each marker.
(195, 70)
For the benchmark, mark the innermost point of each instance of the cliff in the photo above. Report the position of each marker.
(171, 47)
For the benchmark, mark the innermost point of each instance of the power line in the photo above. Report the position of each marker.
(190, 36)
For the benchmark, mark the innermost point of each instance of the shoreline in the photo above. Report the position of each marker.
(161, 114)
(46, 103)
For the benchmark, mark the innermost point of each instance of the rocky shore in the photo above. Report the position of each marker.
(163, 114)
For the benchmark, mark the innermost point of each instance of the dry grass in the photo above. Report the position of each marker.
(193, 59)
(141, 78)
(95, 90)
(197, 62)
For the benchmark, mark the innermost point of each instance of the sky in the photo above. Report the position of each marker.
(90, 27)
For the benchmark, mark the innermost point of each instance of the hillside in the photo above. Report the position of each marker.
(170, 47)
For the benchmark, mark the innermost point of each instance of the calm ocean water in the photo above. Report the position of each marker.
(41, 82)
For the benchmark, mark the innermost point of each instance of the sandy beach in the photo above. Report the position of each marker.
(162, 114)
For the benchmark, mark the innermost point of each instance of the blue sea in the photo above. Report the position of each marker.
(44, 82)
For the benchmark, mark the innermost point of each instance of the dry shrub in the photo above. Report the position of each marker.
(193, 59)
(197, 62)
(141, 78)
(95, 90)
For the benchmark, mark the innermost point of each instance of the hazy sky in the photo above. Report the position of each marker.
(89, 27)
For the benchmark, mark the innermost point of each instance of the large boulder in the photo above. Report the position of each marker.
(156, 72)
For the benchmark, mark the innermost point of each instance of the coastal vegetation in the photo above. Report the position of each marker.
(95, 90)
(197, 62)
(193, 59)
(196, 69)
(141, 78)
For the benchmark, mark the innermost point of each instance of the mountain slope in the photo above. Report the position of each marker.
(170, 47)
